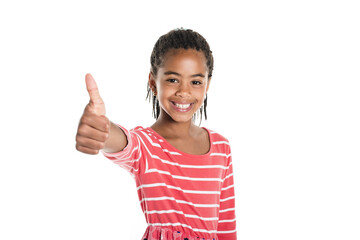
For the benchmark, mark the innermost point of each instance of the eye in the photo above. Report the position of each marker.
(172, 80)
(196, 82)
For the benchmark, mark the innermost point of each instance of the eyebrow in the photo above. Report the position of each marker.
(178, 74)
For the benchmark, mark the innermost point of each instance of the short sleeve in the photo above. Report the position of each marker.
(129, 157)
(227, 217)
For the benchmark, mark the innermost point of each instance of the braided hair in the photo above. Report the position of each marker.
(177, 39)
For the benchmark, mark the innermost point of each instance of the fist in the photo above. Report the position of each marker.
(94, 126)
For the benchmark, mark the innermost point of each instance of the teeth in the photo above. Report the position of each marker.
(183, 106)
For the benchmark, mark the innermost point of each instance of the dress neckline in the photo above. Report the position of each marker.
(184, 153)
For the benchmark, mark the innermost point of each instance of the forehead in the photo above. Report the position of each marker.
(185, 58)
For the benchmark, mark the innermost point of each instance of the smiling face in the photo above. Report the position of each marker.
(181, 84)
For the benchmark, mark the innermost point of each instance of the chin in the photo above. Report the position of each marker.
(181, 119)
(178, 117)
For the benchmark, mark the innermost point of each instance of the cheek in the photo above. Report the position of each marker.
(201, 93)
(166, 91)
(163, 96)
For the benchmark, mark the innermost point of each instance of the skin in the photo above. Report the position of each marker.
(188, 83)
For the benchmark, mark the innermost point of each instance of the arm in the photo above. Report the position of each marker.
(227, 217)
(96, 132)
(130, 156)
(117, 139)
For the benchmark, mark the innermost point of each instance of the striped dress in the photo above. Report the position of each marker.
(182, 196)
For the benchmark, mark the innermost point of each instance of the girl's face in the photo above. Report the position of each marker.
(181, 84)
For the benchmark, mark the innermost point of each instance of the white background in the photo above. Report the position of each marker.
(285, 92)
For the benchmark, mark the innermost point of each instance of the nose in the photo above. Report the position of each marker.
(183, 90)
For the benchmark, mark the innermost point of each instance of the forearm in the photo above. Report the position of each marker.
(117, 140)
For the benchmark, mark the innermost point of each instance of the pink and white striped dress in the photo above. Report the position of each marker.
(183, 196)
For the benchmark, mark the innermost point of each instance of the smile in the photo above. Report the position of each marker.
(182, 107)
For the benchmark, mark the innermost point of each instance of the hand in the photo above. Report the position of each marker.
(94, 126)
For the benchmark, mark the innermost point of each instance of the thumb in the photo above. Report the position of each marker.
(96, 102)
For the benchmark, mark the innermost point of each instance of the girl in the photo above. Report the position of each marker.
(183, 173)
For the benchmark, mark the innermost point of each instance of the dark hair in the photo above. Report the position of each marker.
(175, 39)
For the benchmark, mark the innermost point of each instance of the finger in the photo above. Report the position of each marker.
(89, 132)
(89, 143)
(86, 150)
(93, 90)
(101, 123)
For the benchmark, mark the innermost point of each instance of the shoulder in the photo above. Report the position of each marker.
(136, 132)
(219, 142)
(146, 135)
(137, 129)
(216, 137)
(141, 132)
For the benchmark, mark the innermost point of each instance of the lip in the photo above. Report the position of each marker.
(179, 109)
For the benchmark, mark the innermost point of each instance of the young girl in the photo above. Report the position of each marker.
(183, 173)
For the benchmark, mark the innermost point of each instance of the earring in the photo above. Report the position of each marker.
(154, 93)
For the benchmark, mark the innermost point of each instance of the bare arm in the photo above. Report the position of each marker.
(117, 140)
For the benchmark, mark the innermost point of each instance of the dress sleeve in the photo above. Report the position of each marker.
(227, 217)
(130, 156)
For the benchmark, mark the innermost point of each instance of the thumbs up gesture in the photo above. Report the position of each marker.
(96, 104)
(94, 127)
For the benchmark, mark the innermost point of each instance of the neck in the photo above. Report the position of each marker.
(166, 126)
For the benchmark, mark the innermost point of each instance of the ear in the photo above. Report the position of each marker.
(208, 84)
(151, 82)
